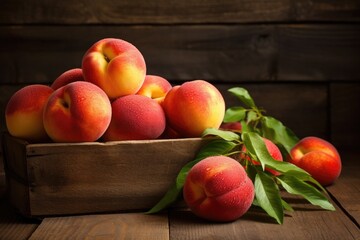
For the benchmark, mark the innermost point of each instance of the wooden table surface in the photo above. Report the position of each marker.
(307, 222)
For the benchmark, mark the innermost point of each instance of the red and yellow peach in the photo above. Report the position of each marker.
(193, 107)
(24, 111)
(116, 66)
(77, 112)
(155, 87)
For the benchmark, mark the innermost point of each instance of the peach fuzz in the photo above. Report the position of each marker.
(274, 152)
(77, 112)
(116, 66)
(24, 110)
(135, 117)
(318, 157)
(69, 76)
(218, 189)
(155, 87)
(193, 107)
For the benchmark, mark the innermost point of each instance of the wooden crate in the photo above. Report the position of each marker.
(62, 178)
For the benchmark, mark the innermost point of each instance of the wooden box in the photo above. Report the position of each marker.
(62, 179)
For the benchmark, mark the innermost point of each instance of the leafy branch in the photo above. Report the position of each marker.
(255, 126)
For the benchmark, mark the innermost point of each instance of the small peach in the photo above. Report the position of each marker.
(72, 75)
(155, 87)
(318, 157)
(274, 152)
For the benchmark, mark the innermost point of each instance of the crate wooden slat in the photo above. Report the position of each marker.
(57, 179)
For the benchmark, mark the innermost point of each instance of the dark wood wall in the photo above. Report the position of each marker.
(299, 59)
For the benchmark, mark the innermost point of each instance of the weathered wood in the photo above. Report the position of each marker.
(345, 115)
(307, 222)
(217, 53)
(346, 189)
(164, 12)
(58, 179)
(111, 226)
(300, 106)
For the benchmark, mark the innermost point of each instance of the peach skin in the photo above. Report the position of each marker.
(135, 117)
(318, 157)
(24, 111)
(218, 189)
(72, 75)
(193, 107)
(77, 112)
(155, 87)
(116, 66)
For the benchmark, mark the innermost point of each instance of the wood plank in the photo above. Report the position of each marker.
(111, 226)
(346, 189)
(293, 104)
(345, 114)
(307, 222)
(164, 12)
(227, 53)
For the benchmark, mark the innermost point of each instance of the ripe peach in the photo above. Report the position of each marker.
(155, 87)
(23, 113)
(318, 157)
(274, 152)
(217, 188)
(72, 75)
(135, 117)
(116, 66)
(77, 112)
(193, 107)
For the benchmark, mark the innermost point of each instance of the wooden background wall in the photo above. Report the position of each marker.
(299, 59)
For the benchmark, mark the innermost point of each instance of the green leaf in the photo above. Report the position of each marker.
(234, 114)
(251, 116)
(243, 95)
(295, 186)
(268, 196)
(170, 197)
(305, 178)
(275, 131)
(287, 206)
(256, 147)
(226, 135)
(212, 148)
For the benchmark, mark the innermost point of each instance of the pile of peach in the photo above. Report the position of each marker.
(111, 98)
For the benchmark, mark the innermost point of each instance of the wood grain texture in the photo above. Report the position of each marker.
(161, 11)
(112, 226)
(345, 115)
(307, 222)
(346, 189)
(217, 53)
(94, 177)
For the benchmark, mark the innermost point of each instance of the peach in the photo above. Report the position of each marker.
(232, 126)
(23, 113)
(69, 76)
(318, 157)
(116, 66)
(135, 117)
(218, 189)
(155, 87)
(274, 152)
(77, 112)
(194, 106)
